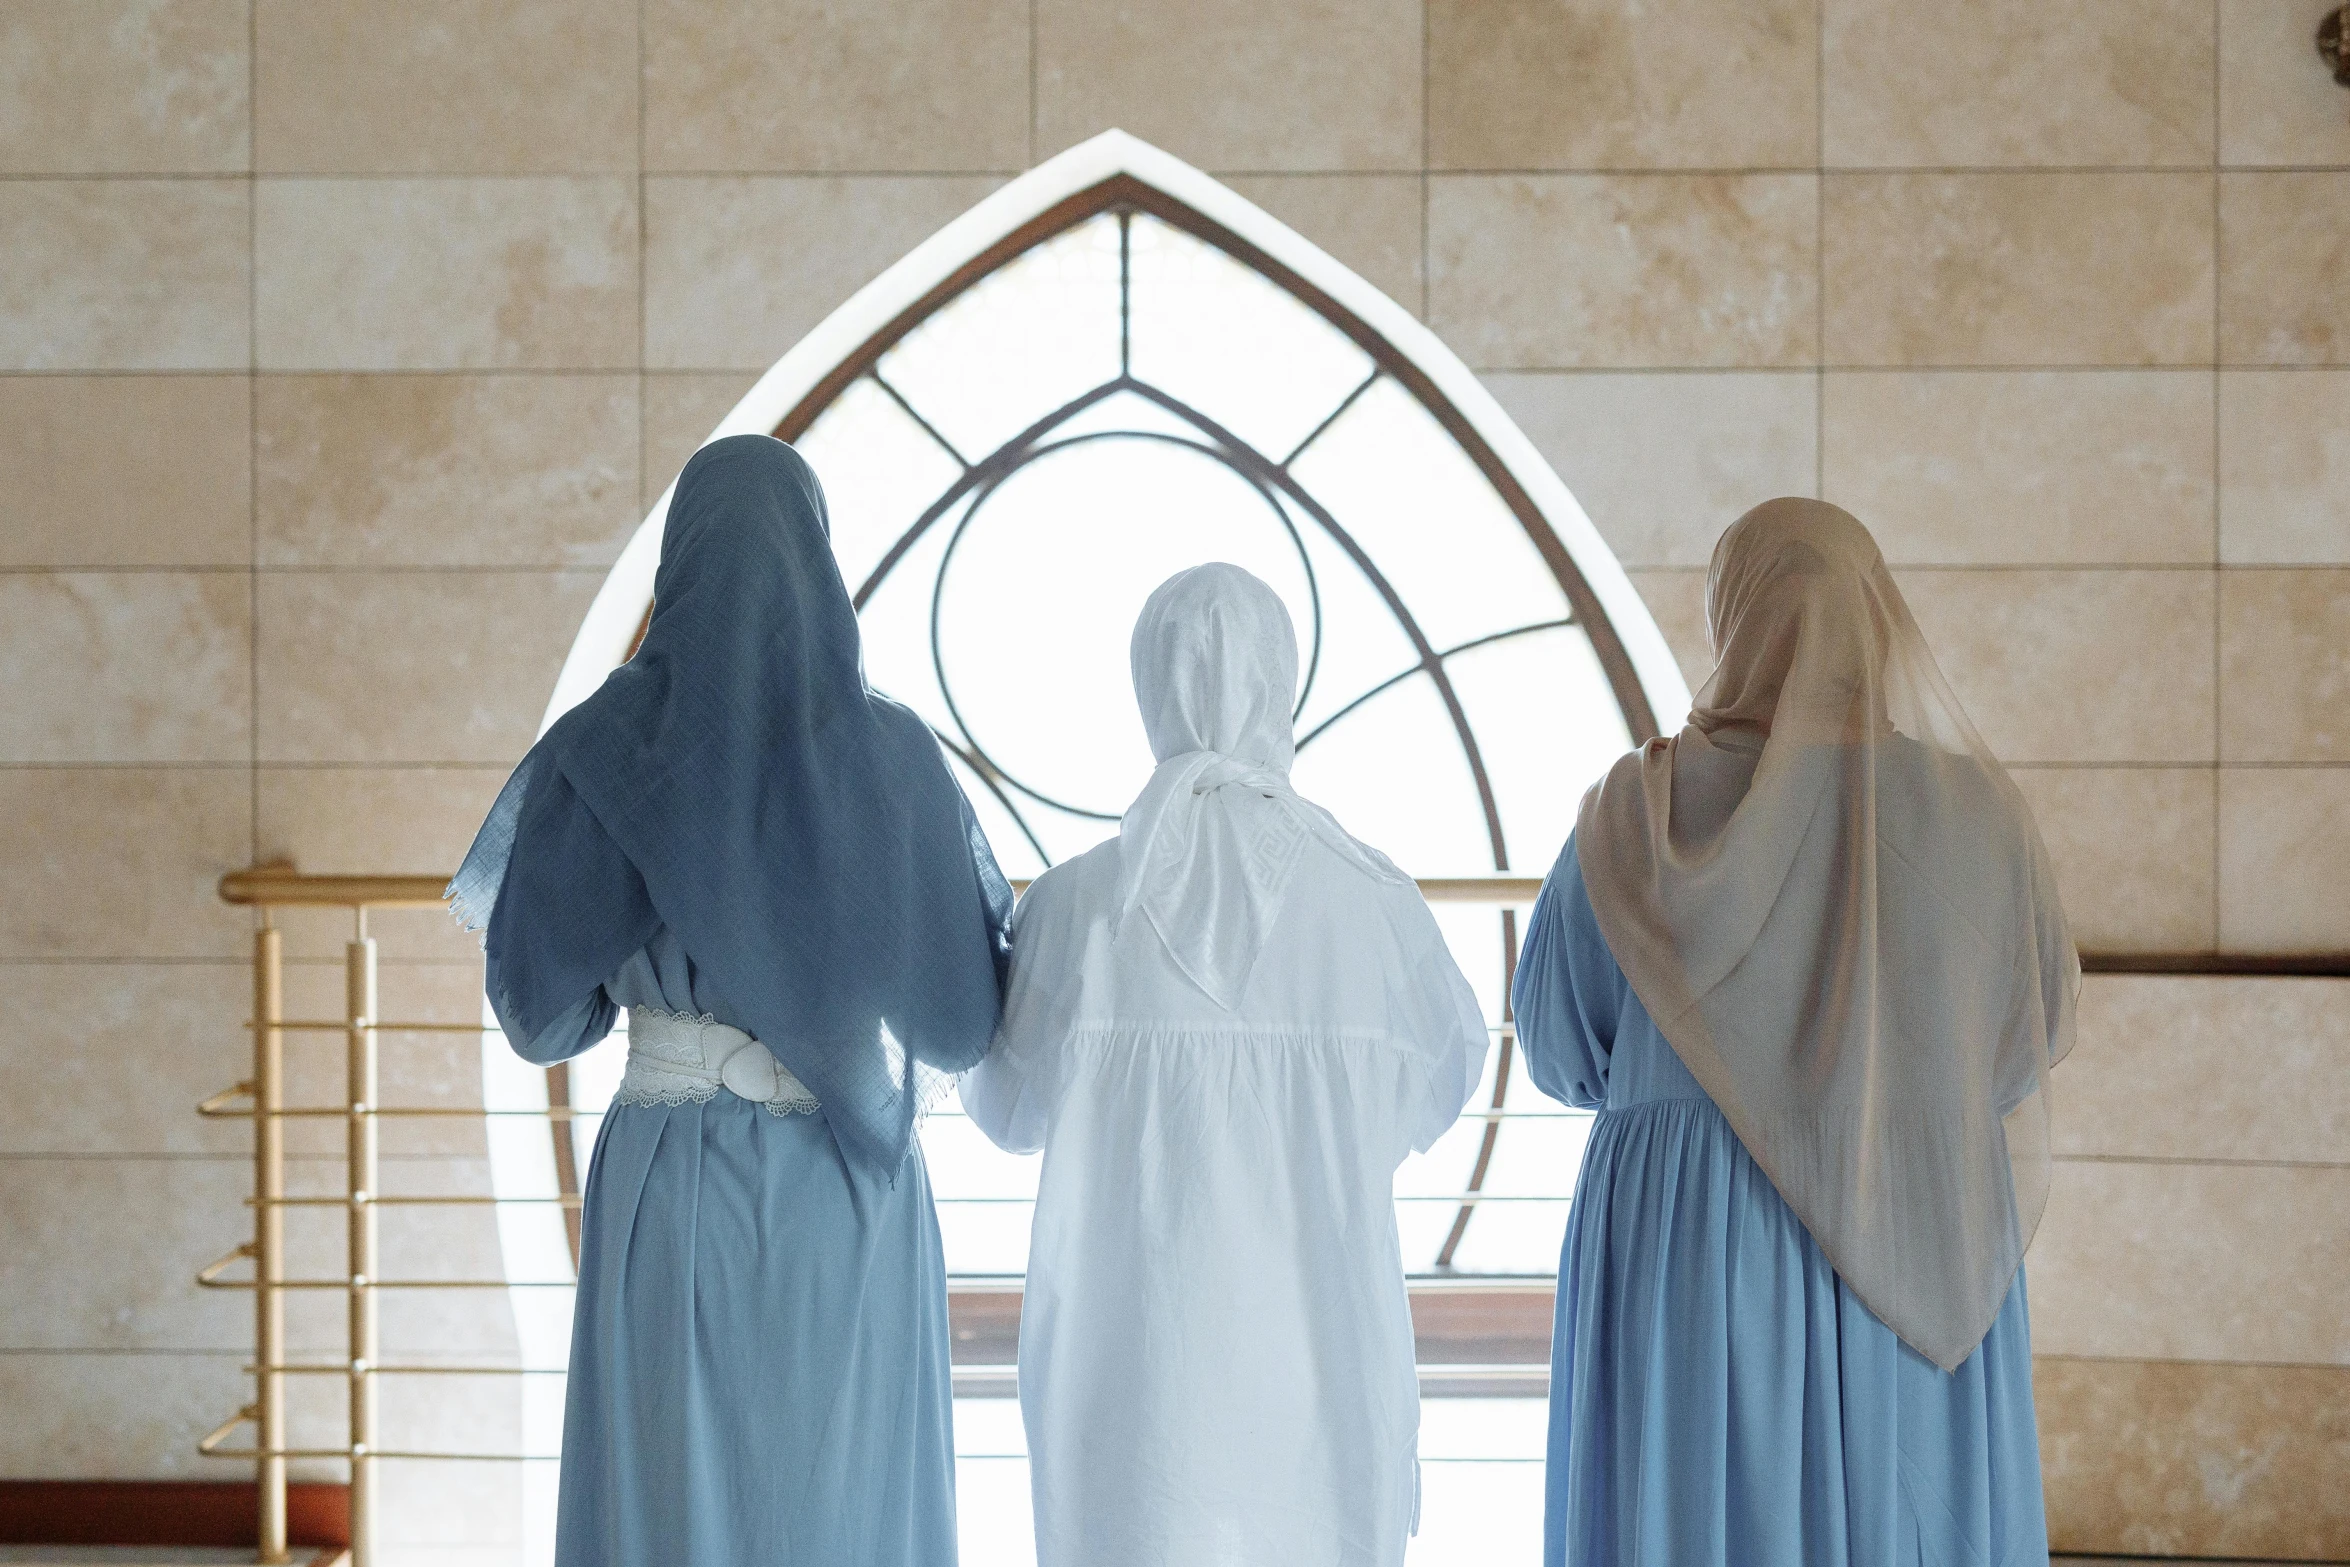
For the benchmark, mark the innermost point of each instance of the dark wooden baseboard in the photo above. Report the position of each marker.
(164, 1512)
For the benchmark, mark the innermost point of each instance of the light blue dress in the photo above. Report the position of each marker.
(1717, 1394)
(759, 1355)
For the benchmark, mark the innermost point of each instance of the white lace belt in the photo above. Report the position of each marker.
(677, 1059)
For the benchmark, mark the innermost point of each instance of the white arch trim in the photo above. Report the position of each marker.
(619, 606)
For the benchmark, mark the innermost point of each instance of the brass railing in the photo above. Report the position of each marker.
(261, 1099)
(1483, 1313)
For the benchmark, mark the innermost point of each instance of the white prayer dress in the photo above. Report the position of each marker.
(1216, 1359)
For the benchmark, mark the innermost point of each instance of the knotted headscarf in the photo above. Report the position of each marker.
(1206, 850)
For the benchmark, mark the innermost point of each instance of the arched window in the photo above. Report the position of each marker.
(1114, 368)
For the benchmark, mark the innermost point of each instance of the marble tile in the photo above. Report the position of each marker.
(2018, 269)
(413, 667)
(2194, 1262)
(738, 269)
(1236, 86)
(2285, 666)
(1663, 463)
(2034, 656)
(123, 862)
(680, 412)
(1584, 84)
(2134, 853)
(2155, 1458)
(2205, 1067)
(100, 1416)
(125, 275)
(123, 87)
(436, 1070)
(112, 1058)
(2024, 467)
(445, 87)
(1630, 271)
(425, 937)
(1676, 599)
(1369, 222)
(125, 470)
(415, 1242)
(446, 274)
(808, 86)
(2018, 82)
(445, 470)
(2284, 246)
(361, 820)
(2277, 103)
(156, 1222)
(126, 666)
(372, 820)
(2284, 466)
(2284, 859)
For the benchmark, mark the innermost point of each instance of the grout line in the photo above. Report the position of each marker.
(1560, 171)
(1427, 156)
(1804, 367)
(643, 415)
(253, 429)
(2170, 1161)
(1032, 101)
(1819, 256)
(752, 372)
(2191, 1360)
(2219, 580)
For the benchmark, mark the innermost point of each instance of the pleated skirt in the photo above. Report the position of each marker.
(759, 1361)
(1718, 1395)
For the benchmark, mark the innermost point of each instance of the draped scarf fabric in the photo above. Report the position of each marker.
(1835, 905)
(739, 782)
(1206, 850)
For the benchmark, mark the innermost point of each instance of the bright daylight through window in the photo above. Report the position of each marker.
(1008, 482)
(1024, 429)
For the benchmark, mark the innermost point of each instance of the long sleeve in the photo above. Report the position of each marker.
(1443, 1013)
(573, 1030)
(1002, 1093)
(1569, 992)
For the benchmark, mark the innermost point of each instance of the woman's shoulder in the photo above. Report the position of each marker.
(1075, 886)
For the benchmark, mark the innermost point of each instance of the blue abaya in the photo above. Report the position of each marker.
(1718, 1395)
(759, 1362)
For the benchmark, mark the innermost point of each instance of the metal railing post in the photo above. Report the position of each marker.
(365, 1263)
(269, 1241)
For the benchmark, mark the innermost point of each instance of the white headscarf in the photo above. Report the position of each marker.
(1206, 850)
(1835, 905)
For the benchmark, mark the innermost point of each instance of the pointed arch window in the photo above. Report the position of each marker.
(1126, 371)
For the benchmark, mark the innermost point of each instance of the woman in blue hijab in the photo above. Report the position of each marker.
(769, 866)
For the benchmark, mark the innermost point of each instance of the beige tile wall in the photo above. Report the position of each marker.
(341, 346)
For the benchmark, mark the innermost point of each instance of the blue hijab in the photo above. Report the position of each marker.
(737, 781)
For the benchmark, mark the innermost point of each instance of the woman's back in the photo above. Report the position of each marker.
(1216, 1350)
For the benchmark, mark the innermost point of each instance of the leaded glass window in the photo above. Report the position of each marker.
(1131, 393)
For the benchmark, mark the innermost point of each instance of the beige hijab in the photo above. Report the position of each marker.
(1835, 905)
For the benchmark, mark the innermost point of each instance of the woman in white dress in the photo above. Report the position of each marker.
(1225, 1028)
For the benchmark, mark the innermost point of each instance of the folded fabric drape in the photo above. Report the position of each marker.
(737, 781)
(1836, 906)
(1208, 847)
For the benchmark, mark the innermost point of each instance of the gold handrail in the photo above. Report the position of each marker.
(267, 888)
(280, 885)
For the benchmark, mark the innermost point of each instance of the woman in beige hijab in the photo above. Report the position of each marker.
(1807, 961)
